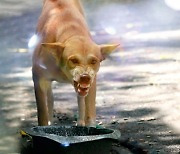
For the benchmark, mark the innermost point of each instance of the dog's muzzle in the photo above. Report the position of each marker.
(82, 81)
(82, 86)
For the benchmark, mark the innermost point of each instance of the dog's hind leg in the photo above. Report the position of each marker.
(44, 100)
(50, 101)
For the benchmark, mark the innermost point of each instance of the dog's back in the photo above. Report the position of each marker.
(61, 19)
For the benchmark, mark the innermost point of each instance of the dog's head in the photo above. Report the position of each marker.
(79, 60)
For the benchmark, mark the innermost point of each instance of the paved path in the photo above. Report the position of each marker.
(138, 86)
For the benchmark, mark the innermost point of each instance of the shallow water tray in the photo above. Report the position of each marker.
(71, 139)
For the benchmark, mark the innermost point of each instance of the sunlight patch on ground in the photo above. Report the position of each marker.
(21, 73)
(20, 50)
(161, 35)
(173, 4)
(33, 41)
(7, 140)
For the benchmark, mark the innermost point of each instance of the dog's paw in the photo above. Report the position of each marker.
(80, 123)
(91, 123)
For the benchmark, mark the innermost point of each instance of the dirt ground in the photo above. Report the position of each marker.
(138, 85)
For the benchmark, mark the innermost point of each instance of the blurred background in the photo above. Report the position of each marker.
(138, 86)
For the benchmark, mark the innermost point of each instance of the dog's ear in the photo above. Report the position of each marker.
(55, 49)
(107, 49)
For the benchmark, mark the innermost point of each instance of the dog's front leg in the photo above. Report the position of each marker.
(44, 100)
(90, 102)
(81, 109)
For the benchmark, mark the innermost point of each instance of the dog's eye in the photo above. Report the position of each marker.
(74, 61)
(93, 61)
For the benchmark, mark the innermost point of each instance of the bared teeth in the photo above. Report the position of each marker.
(81, 88)
(84, 86)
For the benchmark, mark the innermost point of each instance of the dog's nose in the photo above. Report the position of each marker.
(85, 78)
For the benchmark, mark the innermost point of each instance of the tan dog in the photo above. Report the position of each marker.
(66, 52)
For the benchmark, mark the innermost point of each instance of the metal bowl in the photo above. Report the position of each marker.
(71, 139)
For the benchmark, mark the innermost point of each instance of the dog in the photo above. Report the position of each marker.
(66, 53)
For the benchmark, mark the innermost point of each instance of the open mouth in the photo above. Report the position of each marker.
(81, 89)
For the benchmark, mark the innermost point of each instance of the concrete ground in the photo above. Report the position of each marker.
(138, 86)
